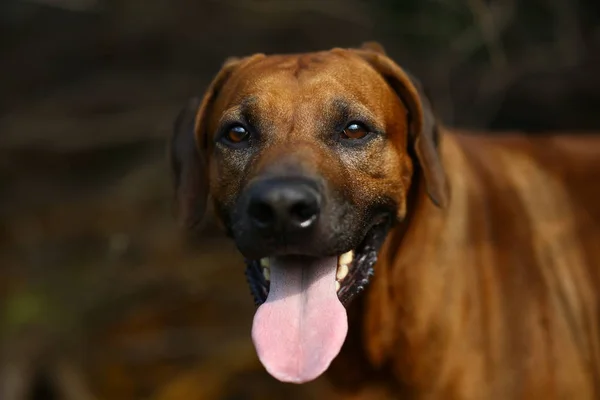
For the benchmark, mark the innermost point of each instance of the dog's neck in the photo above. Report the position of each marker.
(407, 331)
(462, 299)
(379, 314)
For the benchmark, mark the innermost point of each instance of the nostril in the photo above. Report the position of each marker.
(282, 207)
(262, 213)
(304, 213)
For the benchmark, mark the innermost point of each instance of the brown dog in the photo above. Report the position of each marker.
(326, 167)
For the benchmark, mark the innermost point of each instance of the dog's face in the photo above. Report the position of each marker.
(308, 160)
(304, 157)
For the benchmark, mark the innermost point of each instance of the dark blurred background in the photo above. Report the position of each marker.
(101, 297)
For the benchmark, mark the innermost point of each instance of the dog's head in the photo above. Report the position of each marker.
(308, 160)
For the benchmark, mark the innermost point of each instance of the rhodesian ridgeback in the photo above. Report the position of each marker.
(382, 246)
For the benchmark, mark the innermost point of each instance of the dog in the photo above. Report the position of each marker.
(381, 246)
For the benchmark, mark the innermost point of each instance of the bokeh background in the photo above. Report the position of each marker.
(101, 296)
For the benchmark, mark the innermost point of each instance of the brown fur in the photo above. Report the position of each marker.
(487, 289)
(495, 296)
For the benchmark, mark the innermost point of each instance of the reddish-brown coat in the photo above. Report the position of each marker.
(488, 288)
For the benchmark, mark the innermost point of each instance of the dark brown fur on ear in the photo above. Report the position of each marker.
(188, 167)
(423, 127)
(188, 153)
(189, 149)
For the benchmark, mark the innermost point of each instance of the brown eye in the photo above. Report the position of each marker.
(355, 131)
(237, 134)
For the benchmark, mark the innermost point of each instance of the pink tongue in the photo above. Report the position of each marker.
(301, 327)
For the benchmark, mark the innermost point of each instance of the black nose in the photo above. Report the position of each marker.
(277, 206)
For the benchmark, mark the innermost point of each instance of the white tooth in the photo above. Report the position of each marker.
(342, 272)
(346, 258)
(264, 262)
(267, 274)
(337, 286)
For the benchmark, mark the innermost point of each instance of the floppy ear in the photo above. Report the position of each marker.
(373, 46)
(188, 167)
(424, 132)
(188, 151)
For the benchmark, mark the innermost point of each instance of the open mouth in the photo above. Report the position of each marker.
(301, 323)
(353, 272)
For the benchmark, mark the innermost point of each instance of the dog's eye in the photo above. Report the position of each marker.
(237, 134)
(355, 130)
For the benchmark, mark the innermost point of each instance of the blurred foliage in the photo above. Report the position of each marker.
(26, 307)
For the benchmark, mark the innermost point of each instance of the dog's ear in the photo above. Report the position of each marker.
(373, 46)
(229, 61)
(424, 131)
(188, 167)
(188, 151)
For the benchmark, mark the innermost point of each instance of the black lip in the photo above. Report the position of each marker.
(361, 269)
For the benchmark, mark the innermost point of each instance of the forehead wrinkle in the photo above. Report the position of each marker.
(277, 105)
(270, 103)
(240, 109)
(341, 82)
(324, 102)
(292, 103)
